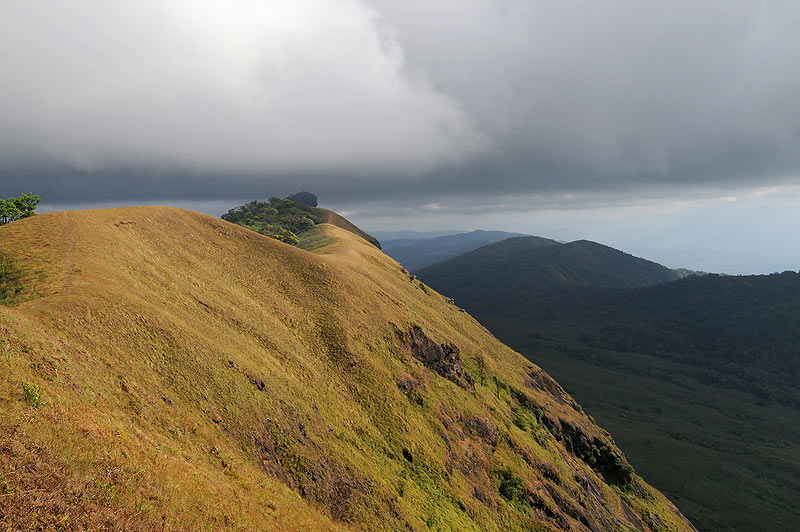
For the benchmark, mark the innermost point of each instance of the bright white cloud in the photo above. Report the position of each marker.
(218, 86)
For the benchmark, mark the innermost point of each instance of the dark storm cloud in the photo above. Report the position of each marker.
(405, 101)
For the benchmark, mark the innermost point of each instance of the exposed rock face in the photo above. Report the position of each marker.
(325, 480)
(599, 454)
(484, 428)
(304, 198)
(597, 450)
(444, 359)
(538, 379)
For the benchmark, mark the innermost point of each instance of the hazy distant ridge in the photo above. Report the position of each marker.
(414, 252)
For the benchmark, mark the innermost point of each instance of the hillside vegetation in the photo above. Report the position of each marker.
(703, 370)
(281, 219)
(725, 456)
(416, 253)
(167, 370)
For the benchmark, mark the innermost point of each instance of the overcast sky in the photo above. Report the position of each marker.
(671, 129)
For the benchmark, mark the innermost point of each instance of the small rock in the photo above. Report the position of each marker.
(407, 456)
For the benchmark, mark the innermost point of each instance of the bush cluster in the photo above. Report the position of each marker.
(281, 219)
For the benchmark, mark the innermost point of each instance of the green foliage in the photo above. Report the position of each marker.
(480, 362)
(737, 331)
(32, 393)
(275, 231)
(280, 219)
(107, 490)
(17, 208)
(525, 419)
(511, 487)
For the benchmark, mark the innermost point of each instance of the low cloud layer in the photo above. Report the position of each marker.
(401, 101)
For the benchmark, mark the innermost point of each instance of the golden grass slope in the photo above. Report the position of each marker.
(195, 375)
(342, 222)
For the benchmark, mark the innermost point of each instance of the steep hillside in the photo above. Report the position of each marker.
(164, 369)
(416, 253)
(512, 272)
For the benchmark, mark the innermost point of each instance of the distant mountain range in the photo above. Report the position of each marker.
(518, 273)
(411, 235)
(703, 369)
(416, 252)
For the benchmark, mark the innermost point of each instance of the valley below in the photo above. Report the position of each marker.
(726, 457)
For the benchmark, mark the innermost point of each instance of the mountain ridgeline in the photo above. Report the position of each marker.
(293, 220)
(416, 253)
(167, 370)
(532, 273)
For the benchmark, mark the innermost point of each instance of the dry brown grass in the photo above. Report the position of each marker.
(199, 376)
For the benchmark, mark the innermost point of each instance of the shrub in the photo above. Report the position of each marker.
(33, 395)
(511, 487)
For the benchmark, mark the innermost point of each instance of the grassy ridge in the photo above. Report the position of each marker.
(195, 375)
(343, 223)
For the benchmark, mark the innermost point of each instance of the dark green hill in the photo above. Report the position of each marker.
(743, 331)
(509, 273)
(416, 253)
(699, 378)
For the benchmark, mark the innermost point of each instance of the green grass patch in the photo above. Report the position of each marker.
(511, 487)
(314, 239)
(32, 394)
(10, 278)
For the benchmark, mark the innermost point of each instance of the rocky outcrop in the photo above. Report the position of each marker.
(595, 449)
(444, 359)
(539, 380)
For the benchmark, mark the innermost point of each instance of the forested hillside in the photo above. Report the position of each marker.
(703, 369)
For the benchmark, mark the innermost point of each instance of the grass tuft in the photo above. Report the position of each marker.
(33, 394)
(10, 278)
